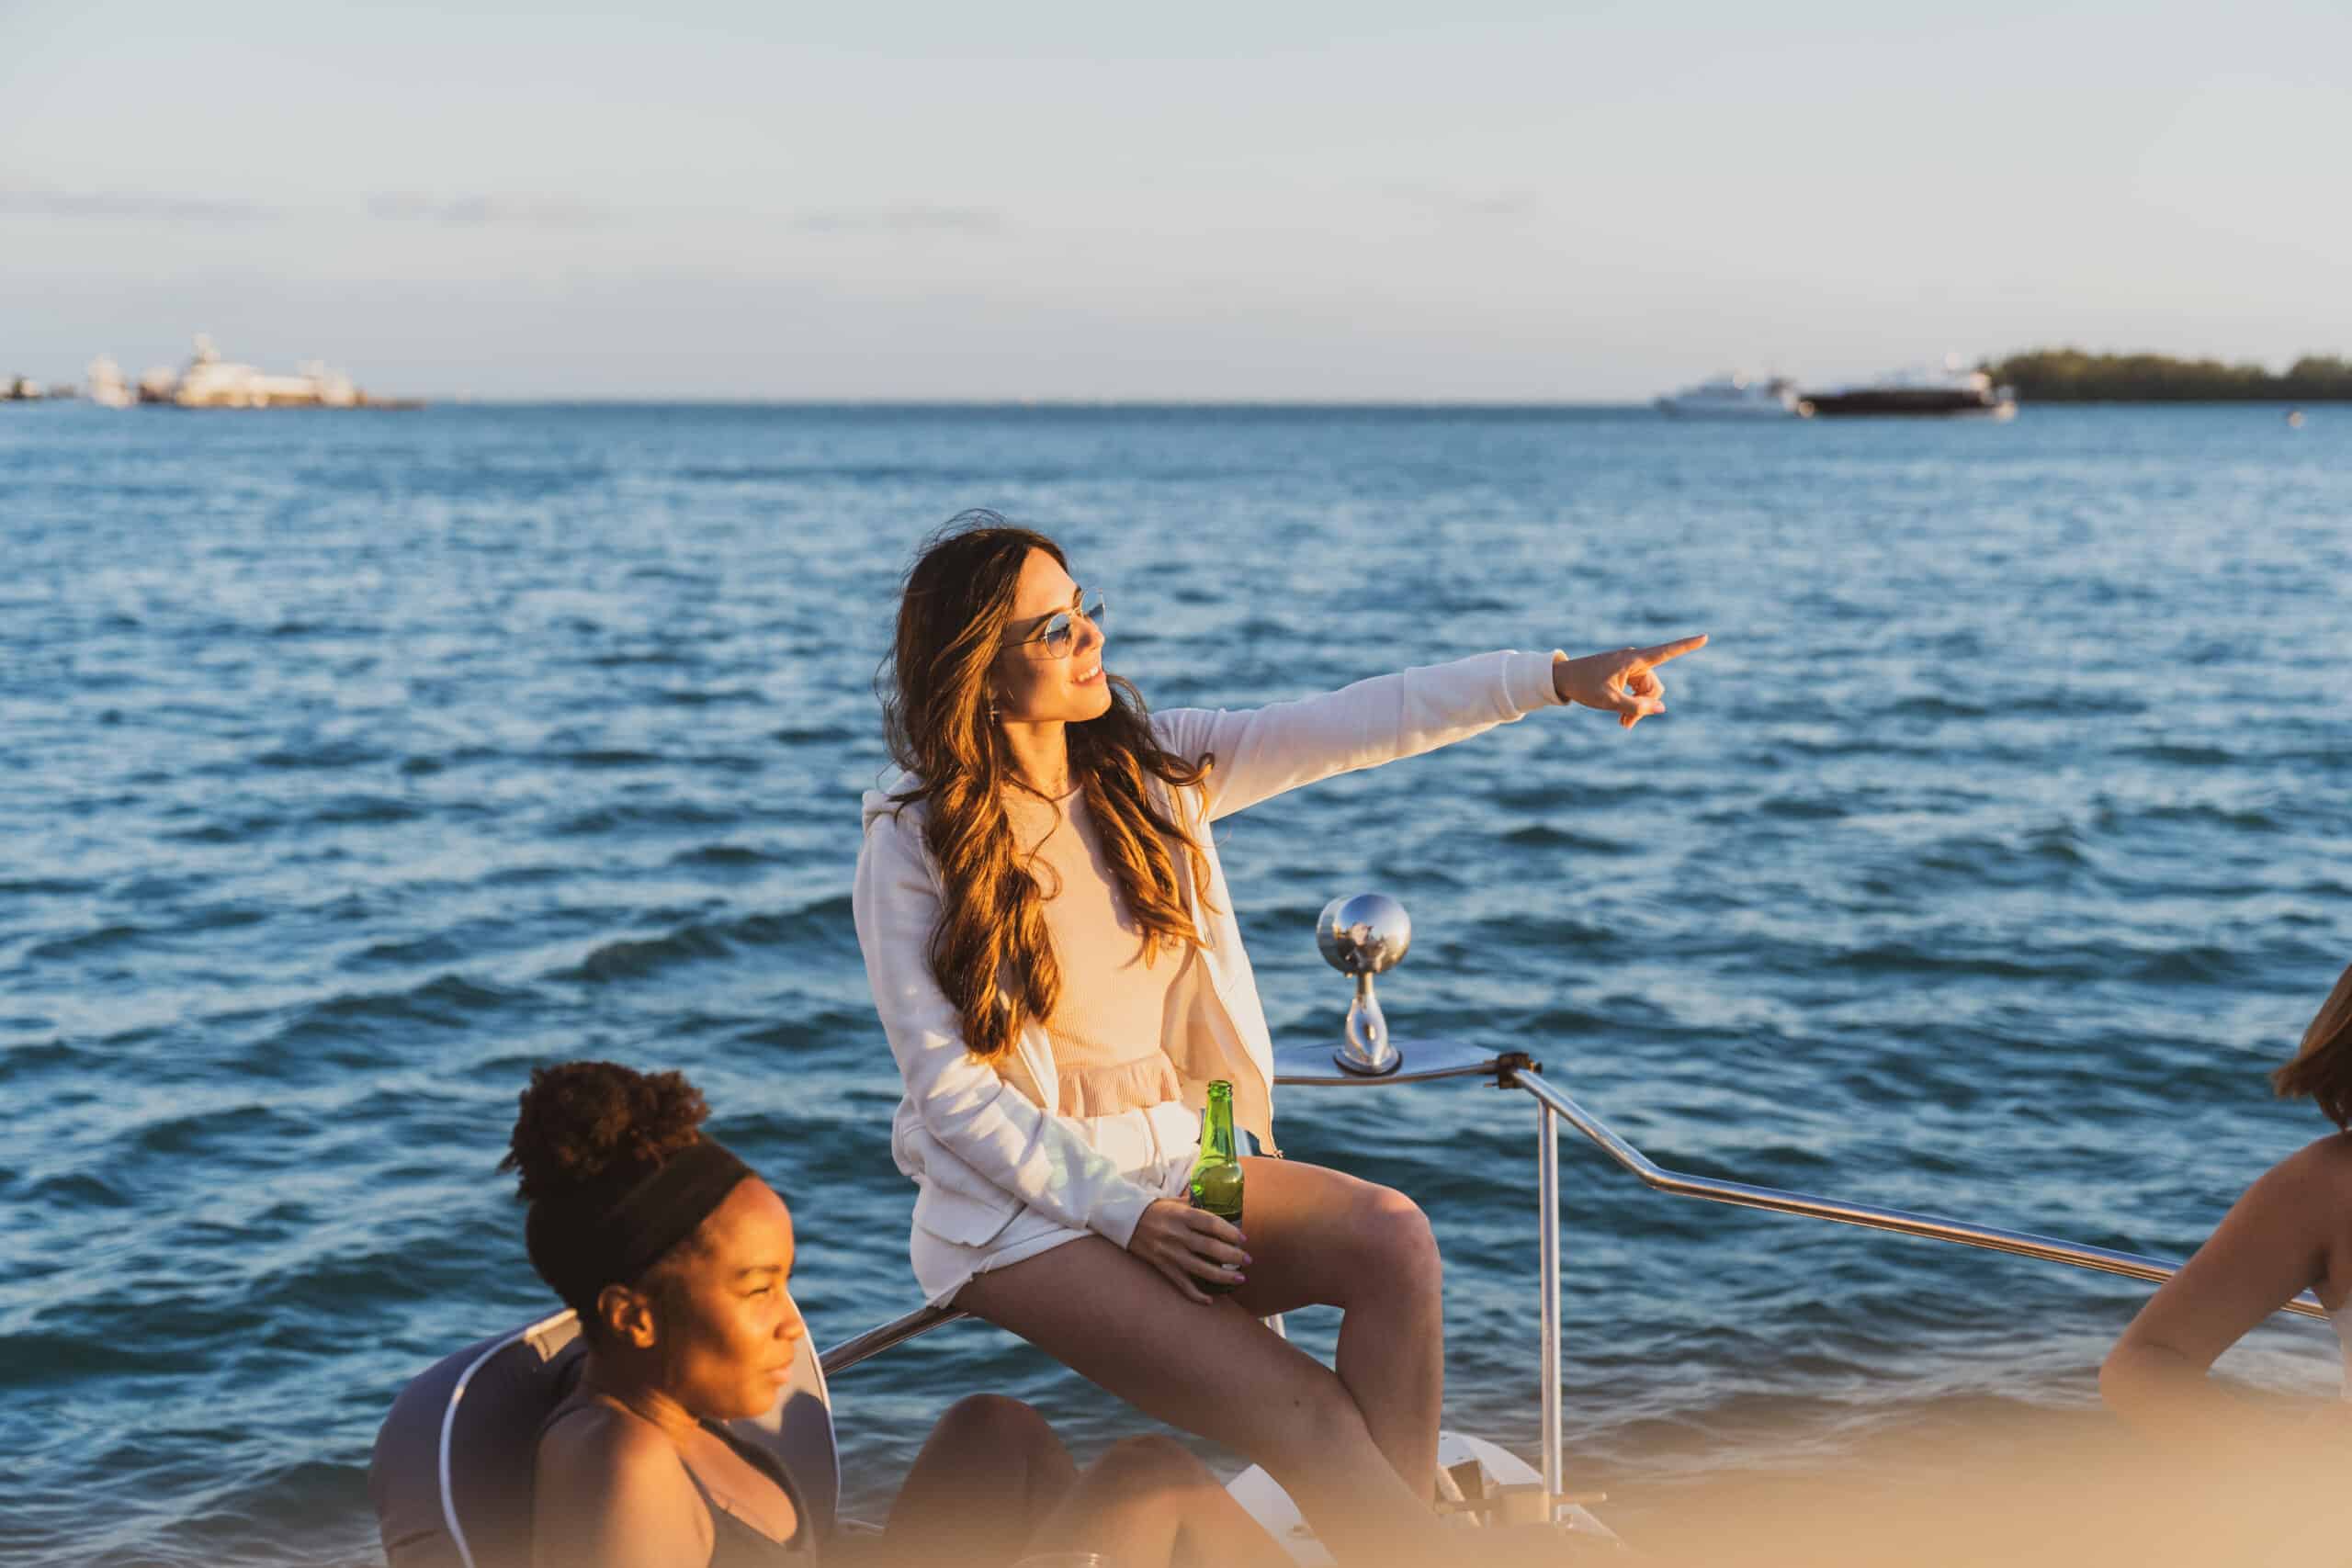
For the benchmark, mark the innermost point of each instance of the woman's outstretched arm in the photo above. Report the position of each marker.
(1262, 751)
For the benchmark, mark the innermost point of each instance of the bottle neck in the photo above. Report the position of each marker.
(1217, 1125)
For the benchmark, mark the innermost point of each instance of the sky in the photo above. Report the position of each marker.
(1267, 201)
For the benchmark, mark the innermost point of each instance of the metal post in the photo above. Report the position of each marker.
(1547, 1160)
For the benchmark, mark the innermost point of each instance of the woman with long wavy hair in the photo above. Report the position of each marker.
(1054, 955)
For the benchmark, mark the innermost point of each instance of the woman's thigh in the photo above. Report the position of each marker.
(1214, 1370)
(1111, 1318)
(1316, 1236)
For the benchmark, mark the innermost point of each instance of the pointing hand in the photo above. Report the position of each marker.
(1623, 681)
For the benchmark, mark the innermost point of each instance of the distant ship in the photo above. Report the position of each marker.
(1738, 396)
(211, 382)
(1943, 389)
(105, 386)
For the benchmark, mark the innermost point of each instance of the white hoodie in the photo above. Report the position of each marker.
(977, 1148)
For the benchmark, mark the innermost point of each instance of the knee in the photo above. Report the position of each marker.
(996, 1424)
(1398, 1241)
(1152, 1463)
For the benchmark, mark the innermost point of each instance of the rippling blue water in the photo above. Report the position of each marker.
(354, 764)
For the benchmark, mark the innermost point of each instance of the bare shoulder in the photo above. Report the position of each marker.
(598, 1434)
(598, 1463)
(2306, 1199)
(2320, 1170)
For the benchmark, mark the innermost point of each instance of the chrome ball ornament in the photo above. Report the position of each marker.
(1363, 935)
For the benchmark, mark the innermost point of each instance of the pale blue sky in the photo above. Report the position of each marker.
(1264, 201)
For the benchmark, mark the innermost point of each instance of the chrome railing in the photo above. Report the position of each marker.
(1314, 1066)
(897, 1331)
(1868, 1215)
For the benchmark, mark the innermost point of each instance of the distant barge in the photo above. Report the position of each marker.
(1944, 390)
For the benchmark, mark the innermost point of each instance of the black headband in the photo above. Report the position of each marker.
(580, 1252)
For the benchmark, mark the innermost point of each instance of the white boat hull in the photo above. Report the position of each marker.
(1271, 1506)
(1711, 408)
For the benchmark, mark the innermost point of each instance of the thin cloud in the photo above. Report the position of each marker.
(482, 212)
(140, 205)
(911, 218)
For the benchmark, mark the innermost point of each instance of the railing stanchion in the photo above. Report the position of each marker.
(1547, 1158)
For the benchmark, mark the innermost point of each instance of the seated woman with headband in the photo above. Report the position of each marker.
(679, 1259)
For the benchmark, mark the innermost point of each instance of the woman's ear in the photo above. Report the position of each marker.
(628, 1317)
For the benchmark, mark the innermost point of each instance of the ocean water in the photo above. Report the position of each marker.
(354, 764)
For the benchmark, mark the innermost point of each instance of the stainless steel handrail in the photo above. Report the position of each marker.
(897, 1331)
(1555, 1105)
(1868, 1216)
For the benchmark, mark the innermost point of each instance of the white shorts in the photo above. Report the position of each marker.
(943, 1267)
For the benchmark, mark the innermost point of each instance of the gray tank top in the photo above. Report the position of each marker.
(739, 1543)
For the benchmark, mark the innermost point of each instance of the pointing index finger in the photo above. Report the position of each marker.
(1675, 649)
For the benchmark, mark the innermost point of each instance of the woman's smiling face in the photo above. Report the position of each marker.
(1034, 685)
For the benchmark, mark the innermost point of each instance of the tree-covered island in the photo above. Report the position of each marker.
(2070, 376)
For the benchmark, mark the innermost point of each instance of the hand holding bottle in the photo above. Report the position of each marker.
(1197, 1245)
(1189, 1245)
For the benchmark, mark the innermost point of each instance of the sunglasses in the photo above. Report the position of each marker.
(1059, 634)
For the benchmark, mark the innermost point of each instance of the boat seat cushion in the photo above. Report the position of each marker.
(489, 1399)
(502, 1388)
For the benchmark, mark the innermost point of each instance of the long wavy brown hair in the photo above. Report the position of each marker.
(990, 952)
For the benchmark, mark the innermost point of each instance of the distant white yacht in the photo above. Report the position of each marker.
(1738, 396)
(105, 386)
(212, 382)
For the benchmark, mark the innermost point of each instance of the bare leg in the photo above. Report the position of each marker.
(989, 1472)
(1321, 1238)
(1146, 1502)
(1217, 1372)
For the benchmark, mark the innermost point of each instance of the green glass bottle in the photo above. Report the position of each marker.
(1216, 1170)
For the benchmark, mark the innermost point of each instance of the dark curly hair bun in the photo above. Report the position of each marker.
(592, 1127)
